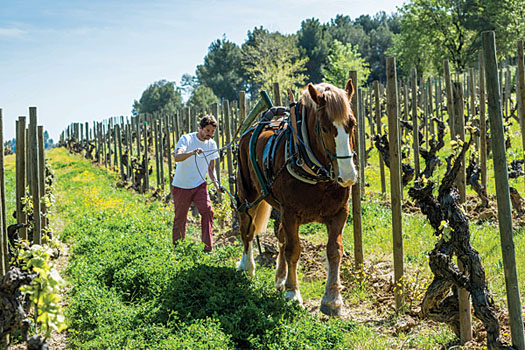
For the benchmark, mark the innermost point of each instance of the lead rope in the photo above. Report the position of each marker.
(208, 163)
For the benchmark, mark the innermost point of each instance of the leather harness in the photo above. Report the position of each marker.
(300, 161)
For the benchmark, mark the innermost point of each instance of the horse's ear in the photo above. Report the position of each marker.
(349, 89)
(314, 94)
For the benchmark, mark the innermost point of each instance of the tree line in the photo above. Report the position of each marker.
(421, 34)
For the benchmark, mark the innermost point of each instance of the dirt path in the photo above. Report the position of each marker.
(376, 279)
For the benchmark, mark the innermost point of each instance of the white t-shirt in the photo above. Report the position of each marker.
(190, 173)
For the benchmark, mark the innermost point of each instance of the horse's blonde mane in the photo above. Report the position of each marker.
(337, 104)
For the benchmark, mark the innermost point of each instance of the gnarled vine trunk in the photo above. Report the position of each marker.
(440, 302)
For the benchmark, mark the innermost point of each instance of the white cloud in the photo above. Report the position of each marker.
(11, 33)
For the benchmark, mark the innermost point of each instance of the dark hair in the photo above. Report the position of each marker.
(208, 120)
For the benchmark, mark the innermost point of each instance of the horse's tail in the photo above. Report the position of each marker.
(262, 215)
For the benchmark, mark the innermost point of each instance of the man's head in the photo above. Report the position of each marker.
(207, 127)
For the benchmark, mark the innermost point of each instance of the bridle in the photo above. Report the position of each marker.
(331, 156)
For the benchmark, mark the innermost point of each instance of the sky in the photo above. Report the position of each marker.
(85, 61)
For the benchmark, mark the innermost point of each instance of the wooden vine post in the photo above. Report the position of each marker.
(502, 190)
(459, 127)
(424, 91)
(356, 188)
(227, 123)
(145, 185)
(119, 138)
(361, 139)
(415, 126)
(242, 108)
(168, 148)
(521, 92)
(21, 217)
(2, 185)
(4, 256)
(450, 101)
(115, 147)
(483, 122)
(42, 175)
(395, 179)
(430, 107)
(472, 93)
(276, 94)
(161, 150)
(35, 178)
(379, 131)
(155, 129)
(215, 112)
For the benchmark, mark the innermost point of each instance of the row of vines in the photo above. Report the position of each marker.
(426, 118)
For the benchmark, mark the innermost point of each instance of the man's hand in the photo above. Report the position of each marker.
(219, 188)
(197, 151)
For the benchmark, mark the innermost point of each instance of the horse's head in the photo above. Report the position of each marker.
(335, 125)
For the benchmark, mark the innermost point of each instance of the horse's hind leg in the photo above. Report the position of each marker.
(252, 222)
(282, 268)
(332, 302)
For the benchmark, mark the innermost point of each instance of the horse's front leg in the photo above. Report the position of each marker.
(282, 268)
(332, 302)
(291, 249)
(253, 222)
(247, 228)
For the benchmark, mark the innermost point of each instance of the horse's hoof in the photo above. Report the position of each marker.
(279, 283)
(331, 309)
(247, 265)
(294, 295)
(249, 272)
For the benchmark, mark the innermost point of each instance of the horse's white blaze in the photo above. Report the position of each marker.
(347, 170)
(247, 262)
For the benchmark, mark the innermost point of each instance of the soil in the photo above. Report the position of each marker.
(377, 278)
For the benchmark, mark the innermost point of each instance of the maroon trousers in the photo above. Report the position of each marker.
(182, 199)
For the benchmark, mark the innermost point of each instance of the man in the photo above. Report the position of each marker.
(195, 154)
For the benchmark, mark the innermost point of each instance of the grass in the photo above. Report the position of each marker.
(132, 289)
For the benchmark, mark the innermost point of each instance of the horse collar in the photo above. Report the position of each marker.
(304, 164)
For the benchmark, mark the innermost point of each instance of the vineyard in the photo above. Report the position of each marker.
(437, 211)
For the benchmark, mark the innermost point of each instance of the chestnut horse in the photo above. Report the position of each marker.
(330, 127)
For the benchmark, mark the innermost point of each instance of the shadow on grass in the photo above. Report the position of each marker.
(244, 309)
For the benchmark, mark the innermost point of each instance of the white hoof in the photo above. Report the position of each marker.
(247, 263)
(279, 283)
(294, 295)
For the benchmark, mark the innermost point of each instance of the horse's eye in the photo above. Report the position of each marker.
(325, 130)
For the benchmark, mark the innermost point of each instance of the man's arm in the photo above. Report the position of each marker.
(213, 176)
(181, 154)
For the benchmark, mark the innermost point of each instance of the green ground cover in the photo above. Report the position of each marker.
(132, 290)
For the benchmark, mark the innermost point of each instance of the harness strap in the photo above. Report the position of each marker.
(293, 118)
(297, 147)
(308, 162)
(253, 158)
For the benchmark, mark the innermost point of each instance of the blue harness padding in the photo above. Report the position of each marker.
(268, 159)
